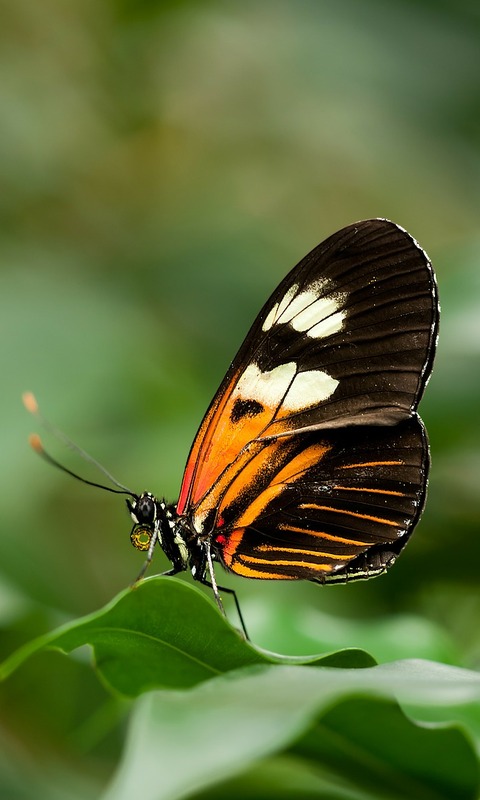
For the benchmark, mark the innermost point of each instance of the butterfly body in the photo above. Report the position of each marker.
(311, 461)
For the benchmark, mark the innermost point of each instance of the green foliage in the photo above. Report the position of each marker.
(163, 634)
(215, 710)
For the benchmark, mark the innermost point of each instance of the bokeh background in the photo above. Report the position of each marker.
(162, 166)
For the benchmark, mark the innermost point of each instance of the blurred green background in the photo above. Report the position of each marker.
(163, 165)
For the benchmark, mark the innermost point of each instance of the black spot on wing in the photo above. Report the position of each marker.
(245, 408)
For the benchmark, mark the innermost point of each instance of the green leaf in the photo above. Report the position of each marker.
(361, 748)
(283, 777)
(165, 634)
(335, 728)
(342, 725)
(370, 742)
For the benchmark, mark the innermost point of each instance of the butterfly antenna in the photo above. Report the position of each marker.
(30, 403)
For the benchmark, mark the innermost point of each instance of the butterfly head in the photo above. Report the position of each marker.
(156, 523)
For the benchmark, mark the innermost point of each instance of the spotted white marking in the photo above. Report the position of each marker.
(267, 388)
(287, 299)
(198, 520)
(180, 542)
(300, 303)
(309, 389)
(321, 318)
(277, 310)
(328, 326)
(158, 532)
(307, 312)
(270, 318)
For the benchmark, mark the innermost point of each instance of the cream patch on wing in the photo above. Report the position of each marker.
(314, 311)
(277, 310)
(321, 318)
(309, 389)
(300, 303)
(267, 388)
(329, 326)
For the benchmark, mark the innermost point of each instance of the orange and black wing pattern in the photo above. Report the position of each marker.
(311, 462)
(342, 507)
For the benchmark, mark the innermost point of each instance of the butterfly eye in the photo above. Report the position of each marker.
(140, 537)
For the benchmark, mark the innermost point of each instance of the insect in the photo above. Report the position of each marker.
(311, 462)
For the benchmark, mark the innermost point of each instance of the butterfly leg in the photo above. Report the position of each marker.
(212, 583)
(233, 593)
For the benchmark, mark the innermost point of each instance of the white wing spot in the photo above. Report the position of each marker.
(270, 318)
(308, 309)
(277, 310)
(317, 312)
(287, 299)
(328, 326)
(267, 388)
(309, 389)
(299, 304)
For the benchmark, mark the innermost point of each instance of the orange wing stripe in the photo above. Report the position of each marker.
(267, 548)
(247, 572)
(253, 511)
(292, 470)
(282, 563)
(372, 464)
(225, 482)
(322, 535)
(351, 514)
(232, 545)
(301, 462)
(365, 489)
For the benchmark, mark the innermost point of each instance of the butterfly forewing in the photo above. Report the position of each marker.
(346, 340)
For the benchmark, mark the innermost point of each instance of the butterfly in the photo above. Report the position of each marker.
(311, 462)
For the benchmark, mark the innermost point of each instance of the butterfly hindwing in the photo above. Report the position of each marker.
(336, 506)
